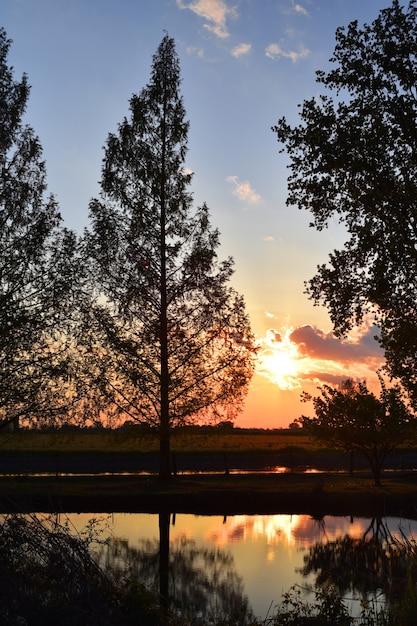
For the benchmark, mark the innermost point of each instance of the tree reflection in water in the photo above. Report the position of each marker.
(374, 563)
(197, 583)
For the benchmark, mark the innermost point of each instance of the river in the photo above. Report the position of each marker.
(249, 561)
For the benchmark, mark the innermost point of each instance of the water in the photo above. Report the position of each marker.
(249, 559)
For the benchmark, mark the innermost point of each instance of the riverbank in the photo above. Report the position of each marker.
(216, 473)
(193, 450)
(291, 493)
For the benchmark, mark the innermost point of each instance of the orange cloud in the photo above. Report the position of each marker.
(316, 343)
(292, 358)
(243, 190)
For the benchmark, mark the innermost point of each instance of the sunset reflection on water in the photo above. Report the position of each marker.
(302, 530)
(267, 550)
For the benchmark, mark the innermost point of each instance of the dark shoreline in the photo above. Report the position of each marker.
(315, 495)
(24, 462)
(223, 492)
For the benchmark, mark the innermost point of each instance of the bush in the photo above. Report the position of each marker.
(49, 576)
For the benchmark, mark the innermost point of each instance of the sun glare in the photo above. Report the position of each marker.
(279, 360)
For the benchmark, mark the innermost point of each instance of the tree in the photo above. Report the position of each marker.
(35, 266)
(354, 419)
(353, 157)
(168, 338)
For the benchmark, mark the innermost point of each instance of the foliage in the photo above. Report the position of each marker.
(52, 574)
(354, 159)
(327, 609)
(138, 439)
(376, 564)
(168, 339)
(49, 576)
(354, 419)
(35, 266)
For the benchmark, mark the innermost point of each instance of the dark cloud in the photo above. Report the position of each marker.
(325, 377)
(273, 335)
(315, 343)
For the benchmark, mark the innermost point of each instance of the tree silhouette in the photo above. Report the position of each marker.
(353, 158)
(168, 339)
(36, 267)
(354, 419)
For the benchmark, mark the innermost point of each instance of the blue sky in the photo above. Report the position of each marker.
(245, 63)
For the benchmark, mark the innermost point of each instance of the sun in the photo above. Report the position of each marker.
(279, 360)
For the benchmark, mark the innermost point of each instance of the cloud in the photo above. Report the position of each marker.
(316, 343)
(241, 50)
(269, 238)
(243, 190)
(274, 50)
(295, 358)
(192, 50)
(300, 9)
(215, 12)
(325, 377)
(273, 336)
(269, 315)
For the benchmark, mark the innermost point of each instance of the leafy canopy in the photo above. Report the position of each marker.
(35, 266)
(352, 418)
(353, 158)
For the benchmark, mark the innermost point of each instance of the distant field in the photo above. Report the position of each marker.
(109, 441)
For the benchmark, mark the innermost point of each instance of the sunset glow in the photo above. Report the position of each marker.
(294, 356)
(243, 66)
(278, 529)
(279, 360)
(292, 360)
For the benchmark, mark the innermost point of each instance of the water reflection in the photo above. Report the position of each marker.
(375, 563)
(247, 562)
(196, 582)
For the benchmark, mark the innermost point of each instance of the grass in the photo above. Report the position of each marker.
(125, 441)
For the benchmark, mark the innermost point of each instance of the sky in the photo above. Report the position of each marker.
(244, 65)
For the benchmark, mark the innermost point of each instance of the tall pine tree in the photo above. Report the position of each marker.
(168, 338)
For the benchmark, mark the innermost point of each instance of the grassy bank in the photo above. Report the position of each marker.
(197, 450)
(143, 441)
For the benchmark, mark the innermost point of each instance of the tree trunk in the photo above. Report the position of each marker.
(164, 438)
(164, 442)
(376, 468)
(164, 519)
